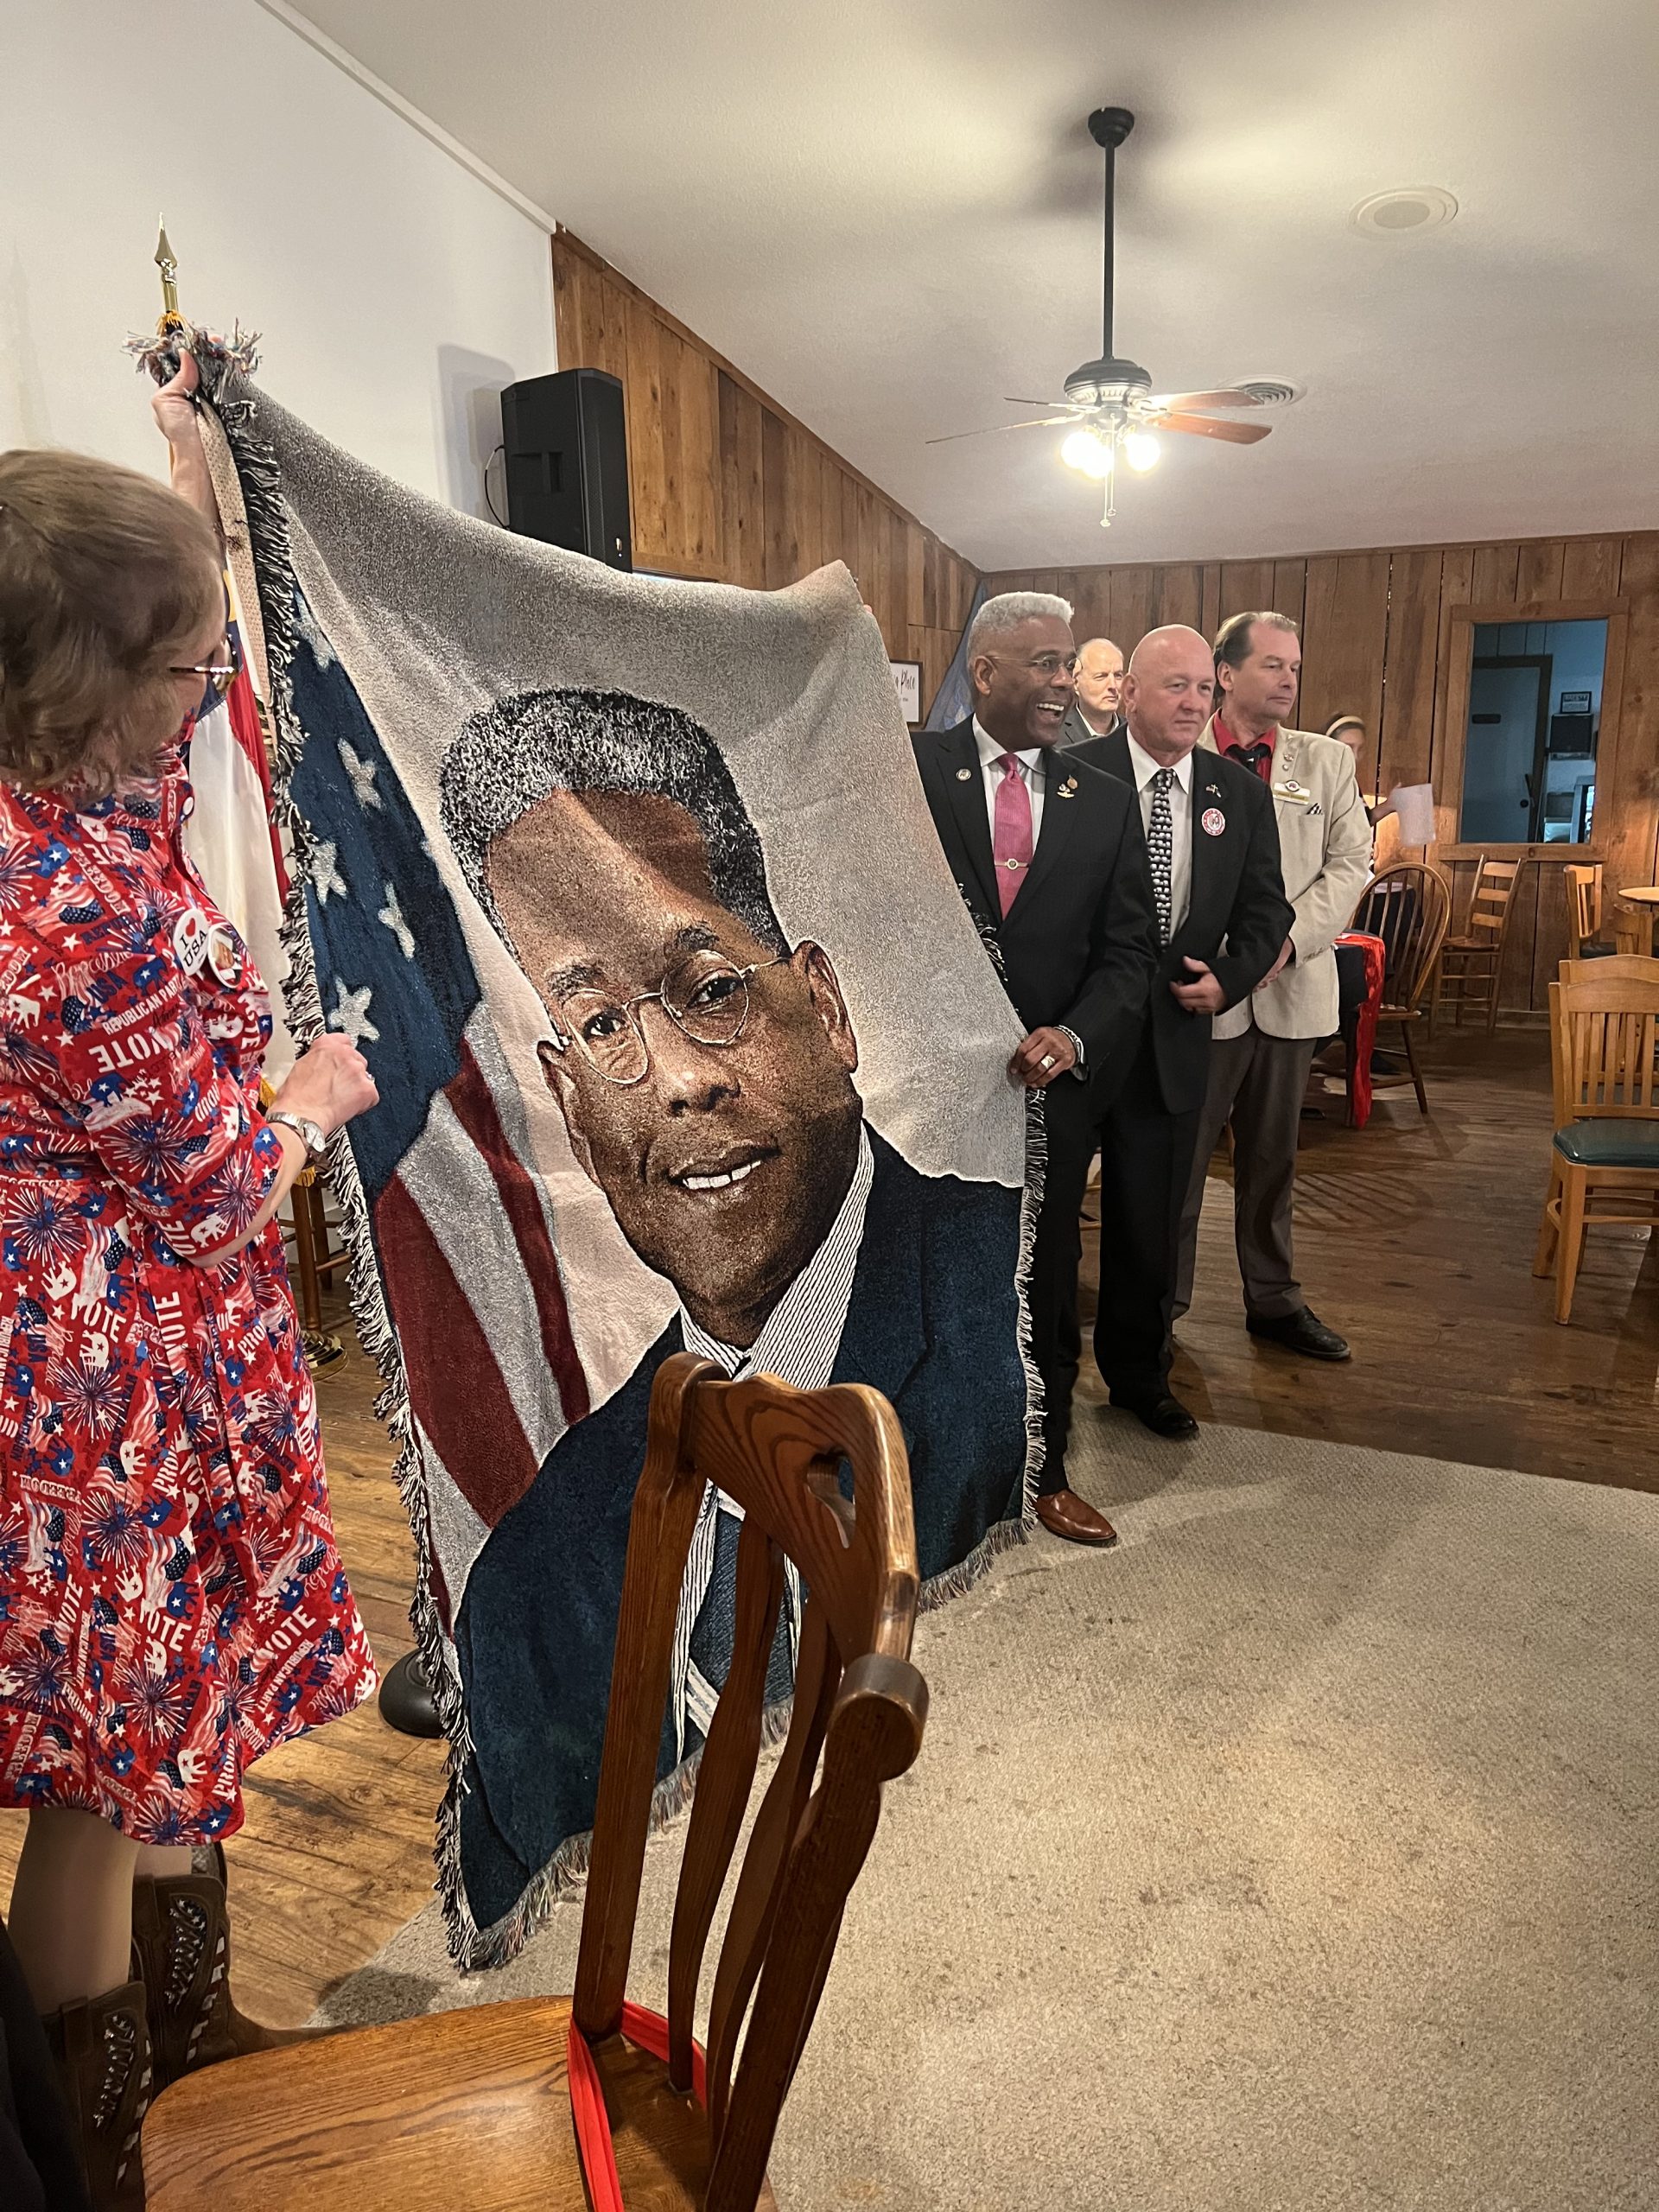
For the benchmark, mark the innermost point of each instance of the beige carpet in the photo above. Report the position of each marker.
(1300, 1853)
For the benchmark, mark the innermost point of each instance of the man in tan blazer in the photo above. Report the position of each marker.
(1263, 1048)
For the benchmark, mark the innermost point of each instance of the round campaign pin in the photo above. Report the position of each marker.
(225, 953)
(190, 939)
(1214, 821)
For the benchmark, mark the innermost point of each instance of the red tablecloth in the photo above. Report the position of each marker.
(1360, 1029)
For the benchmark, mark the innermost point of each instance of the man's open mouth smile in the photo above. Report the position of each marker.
(723, 1173)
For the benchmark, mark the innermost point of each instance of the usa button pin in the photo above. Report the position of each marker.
(1214, 821)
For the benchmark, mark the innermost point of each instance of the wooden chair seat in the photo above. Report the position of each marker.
(1609, 1143)
(466, 2111)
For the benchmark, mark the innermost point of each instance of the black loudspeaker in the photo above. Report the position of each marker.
(566, 447)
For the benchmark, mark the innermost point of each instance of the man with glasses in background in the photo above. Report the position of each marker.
(704, 1067)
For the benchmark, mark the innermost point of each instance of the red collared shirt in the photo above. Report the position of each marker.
(1247, 756)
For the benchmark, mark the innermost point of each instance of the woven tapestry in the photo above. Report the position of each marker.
(628, 892)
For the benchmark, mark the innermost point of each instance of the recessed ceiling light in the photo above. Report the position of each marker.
(1410, 208)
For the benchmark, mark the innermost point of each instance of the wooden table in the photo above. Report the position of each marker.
(1645, 896)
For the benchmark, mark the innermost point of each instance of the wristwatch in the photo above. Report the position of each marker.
(310, 1133)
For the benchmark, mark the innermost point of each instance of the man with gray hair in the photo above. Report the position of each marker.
(1049, 856)
(1098, 710)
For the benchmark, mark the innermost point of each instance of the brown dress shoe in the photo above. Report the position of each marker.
(182, 1950)
(102, 2050)
(1062, 1513)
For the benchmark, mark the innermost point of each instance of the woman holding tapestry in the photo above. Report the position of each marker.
(172, 1603)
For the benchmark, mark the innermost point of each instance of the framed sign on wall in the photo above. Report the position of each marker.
(907, 682)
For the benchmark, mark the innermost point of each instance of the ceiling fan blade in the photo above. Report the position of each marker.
(1191, 399)
(1202, 426)
(1008, 400)
(1042, 422)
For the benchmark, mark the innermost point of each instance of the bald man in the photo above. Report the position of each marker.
(1223, 923)
(1095, 708)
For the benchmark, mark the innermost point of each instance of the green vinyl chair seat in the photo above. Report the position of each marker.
(1609, 1141)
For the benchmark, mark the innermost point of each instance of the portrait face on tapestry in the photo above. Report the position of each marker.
(704, 1066)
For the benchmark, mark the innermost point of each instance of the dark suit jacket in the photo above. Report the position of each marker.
(1237, 897)
(1075, 731)
(1079, 943)
(932, 1322)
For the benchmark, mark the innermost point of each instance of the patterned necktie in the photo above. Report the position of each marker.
(1161, 849)
(1011, 843)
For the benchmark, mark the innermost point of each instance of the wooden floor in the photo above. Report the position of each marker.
(1414, 1238)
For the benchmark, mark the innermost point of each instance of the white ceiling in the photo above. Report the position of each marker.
(888, 212)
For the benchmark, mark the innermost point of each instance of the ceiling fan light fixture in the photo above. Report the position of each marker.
(1142, 451)
(1088, 453)
(1406, 208)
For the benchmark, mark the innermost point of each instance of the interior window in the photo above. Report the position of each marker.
(1534, 717)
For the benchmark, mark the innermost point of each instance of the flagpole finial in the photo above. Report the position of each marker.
(171, 321)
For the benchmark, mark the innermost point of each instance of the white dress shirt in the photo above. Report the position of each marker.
(797, 1343)
(1180, 823)
(1034, 770)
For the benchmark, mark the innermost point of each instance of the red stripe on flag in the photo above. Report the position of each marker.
(475, 1109)
(244, 725)
(456, 1389)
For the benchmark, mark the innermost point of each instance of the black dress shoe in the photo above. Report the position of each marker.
(1304, 1333)
(1162, 1414)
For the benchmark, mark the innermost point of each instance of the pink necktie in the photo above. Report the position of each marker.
(1011, 843)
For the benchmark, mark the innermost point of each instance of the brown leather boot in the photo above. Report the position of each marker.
(102, 2050)
(181, 1947)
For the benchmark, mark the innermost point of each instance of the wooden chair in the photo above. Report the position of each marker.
(471, 2110)
(1473, 960)
(1408, 906)
(1583, 890)
(1610, 967)
(1604, 1031)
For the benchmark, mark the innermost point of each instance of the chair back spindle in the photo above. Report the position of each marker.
(859, 1708)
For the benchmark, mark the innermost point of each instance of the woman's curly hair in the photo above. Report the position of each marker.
(106, 581)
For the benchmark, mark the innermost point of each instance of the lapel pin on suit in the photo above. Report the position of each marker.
(1069, 788)
(1214, 821)
(964, 775)
(1212, 791)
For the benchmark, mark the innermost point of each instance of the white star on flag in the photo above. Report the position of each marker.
(325, 871)
(351, 1013)
(362, 775)
(392, 915)
(306, 623)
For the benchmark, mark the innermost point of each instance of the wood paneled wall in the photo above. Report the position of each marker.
(1378, 635)
(727, 487)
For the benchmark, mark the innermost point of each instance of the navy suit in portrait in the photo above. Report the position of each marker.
(932, 1322)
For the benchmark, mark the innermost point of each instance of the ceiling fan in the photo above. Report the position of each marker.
(1110, 401)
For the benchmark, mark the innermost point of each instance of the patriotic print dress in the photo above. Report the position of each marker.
(172, 1602)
